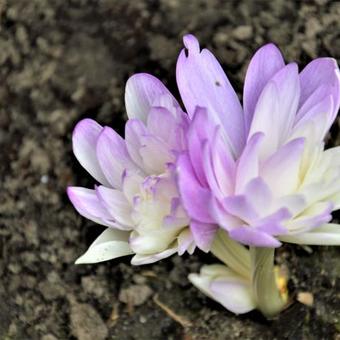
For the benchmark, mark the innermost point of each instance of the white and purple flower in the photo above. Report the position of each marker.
(137, 196)
(245, 178)
(260, 172)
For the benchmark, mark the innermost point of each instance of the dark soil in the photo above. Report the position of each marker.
(61, 61)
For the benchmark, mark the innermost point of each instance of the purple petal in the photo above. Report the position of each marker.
(113, 157)
(140, 93)
(258, 192)
(265, 63)
(202, 82)
(273, 224)
(319, 73)
(84, 140)
(314, 100)
(240, 207)
(321, 114)
(201, 128)
(88, 205)
(222, 217)
(118, 206)
(195, 198)
(203, 234)
(219, 166)
(276, 108)
(253, 237)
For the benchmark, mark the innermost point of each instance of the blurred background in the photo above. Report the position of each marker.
(61, 61)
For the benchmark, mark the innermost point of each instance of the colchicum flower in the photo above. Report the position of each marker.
(244, 178)
(260, 173)
(137, 197)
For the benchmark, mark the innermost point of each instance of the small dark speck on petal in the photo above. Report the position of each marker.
(217, 83)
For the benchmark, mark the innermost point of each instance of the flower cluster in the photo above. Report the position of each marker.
(235, 181)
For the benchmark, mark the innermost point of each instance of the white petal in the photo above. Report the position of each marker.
(281, 171)
(225, 287)
(140, 259)
(110, 244)
(140, 93)
(185, 242)
(326, 235)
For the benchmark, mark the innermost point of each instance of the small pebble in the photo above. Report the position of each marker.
(306, 298)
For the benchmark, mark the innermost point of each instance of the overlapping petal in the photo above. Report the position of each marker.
(138, 195)
(202, 82)
(276, 182)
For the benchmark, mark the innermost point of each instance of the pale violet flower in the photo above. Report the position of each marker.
(257, 174)
(136, 196)
(260, 172)
(244, 177)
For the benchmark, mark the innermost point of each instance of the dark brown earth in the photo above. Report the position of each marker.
(61, 61)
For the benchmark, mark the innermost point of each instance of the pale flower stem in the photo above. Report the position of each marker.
(265, 289)
(233, 254)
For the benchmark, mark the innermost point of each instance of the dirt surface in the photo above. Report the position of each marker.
(61, 61)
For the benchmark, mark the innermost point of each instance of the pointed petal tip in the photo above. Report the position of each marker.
(71, 192)
(191, 43)
(80, 260)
